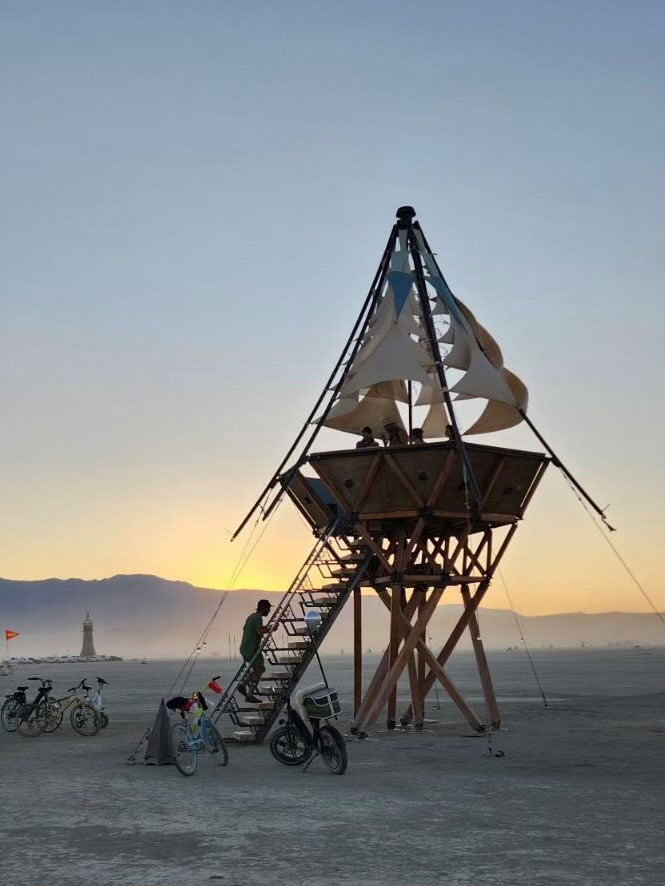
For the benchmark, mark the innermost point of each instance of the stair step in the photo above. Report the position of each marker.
(266, 705)
(333, 586)
(353, 558)
(252, 719)
(324, 601)
(244, 735)
(298, 644)
(291, 659)
(302, 631)
(276, 676)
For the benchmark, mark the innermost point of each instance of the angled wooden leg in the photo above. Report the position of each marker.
(413, 683)
(430, 661)
(419, 706)
(407, 648)
(483, 668)
(452, 691)
(357, 651)
(395, 636)
(382, 668)
(463, 620)
(451, 642)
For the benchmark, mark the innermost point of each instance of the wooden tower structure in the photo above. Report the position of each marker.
(426, 515)
(407, 506)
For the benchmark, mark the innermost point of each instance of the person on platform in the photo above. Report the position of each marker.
(252, 634)
(393, 435)
(367, 440)
(417, 436)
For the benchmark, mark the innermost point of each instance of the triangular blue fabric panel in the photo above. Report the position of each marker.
(400, 283)
(446, 296)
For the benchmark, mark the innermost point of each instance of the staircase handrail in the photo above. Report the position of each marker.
(276, 616)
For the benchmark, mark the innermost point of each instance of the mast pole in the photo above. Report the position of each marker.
(379, 280)
(556, 461)
(360, 324)
(406, 214)
(409, 387)
(369, 302)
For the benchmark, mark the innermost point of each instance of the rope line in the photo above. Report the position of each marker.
(616, 552)
(522, 638)
(192, 658)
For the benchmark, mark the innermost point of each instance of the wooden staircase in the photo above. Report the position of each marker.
(333, 568)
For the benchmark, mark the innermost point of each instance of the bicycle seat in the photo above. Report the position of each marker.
(177, 703)
(22, 688)
(103, 681)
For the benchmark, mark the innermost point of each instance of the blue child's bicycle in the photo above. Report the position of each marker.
(196, 732)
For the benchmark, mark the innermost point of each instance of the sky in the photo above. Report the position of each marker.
(195, 198)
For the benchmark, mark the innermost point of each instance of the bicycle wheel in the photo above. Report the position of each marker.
(54, 713)
(333, 750)
(85, 720)
(183, 749)
(214, 744)
(104, 720)
(33, 722)
(9, 714)
(289, 747)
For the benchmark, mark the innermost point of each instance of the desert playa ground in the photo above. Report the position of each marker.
(577, 798)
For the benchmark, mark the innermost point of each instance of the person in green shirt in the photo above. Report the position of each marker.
(252, 633)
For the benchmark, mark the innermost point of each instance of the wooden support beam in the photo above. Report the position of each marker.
(463, 620)
(431, 662)
(404, 480)
(357, 650)
(416, 699)
(369, 480)
(382, 667)
(374, 548)
(483, 668)
(419, 707)
(395, 636)
(408, 646)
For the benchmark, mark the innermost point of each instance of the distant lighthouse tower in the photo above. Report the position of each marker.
(88, 642)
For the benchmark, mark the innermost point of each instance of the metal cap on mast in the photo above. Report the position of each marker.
(405, 215)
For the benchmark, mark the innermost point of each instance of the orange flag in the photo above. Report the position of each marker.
(10, 634)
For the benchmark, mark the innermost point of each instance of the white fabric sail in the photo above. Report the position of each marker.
(436, 422)
(352, 415)
(396, 349)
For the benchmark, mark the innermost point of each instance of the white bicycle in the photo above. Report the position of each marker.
(97, 703)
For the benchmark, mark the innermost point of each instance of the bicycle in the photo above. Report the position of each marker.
(188, 737)
(301, 738)
(33, 717)
(11, 707)
(97, 703)
(83, 717)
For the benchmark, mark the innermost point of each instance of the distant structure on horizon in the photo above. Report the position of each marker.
(88, 648)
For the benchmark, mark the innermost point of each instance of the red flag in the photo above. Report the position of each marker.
(10, 634)
(214, 686)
